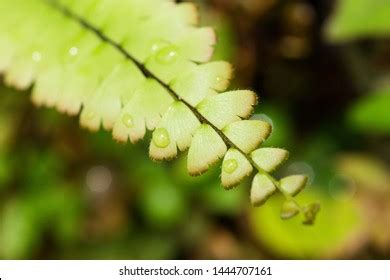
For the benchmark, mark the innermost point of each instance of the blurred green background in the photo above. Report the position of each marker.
(322, 71)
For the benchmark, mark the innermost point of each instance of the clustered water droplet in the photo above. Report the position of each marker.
(167, 55)
(161, 138)
(127, 120)
(230, 165)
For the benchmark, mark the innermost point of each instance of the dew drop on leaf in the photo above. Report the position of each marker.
(167, 55)
(127, 120)
(161, 138)
(230, 165)
(157, 45)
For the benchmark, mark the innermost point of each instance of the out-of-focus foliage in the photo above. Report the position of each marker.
(335, 229)
(358, 19)
(366, 171)
(371, 112)
(352, 204)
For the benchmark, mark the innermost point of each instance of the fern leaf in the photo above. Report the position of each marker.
(207, 148)
(248, 134)
(262, 188)
(138, 65)
(235, 168)
(180, 124)
(225, 108)
(269, 159)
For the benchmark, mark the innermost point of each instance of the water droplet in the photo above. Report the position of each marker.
(161, 138)
(73, 51)
(90, 115)
(230, 165)
(36, 56)
(157, 45)
(167, 55)
(127, 120)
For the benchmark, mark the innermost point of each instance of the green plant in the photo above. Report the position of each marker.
(356, 19)
(133, 66)
(370, 112)
(362, 19)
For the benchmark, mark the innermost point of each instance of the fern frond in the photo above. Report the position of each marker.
(138, 65)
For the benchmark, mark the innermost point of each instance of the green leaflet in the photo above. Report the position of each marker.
(235, 167)
(138, 65)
